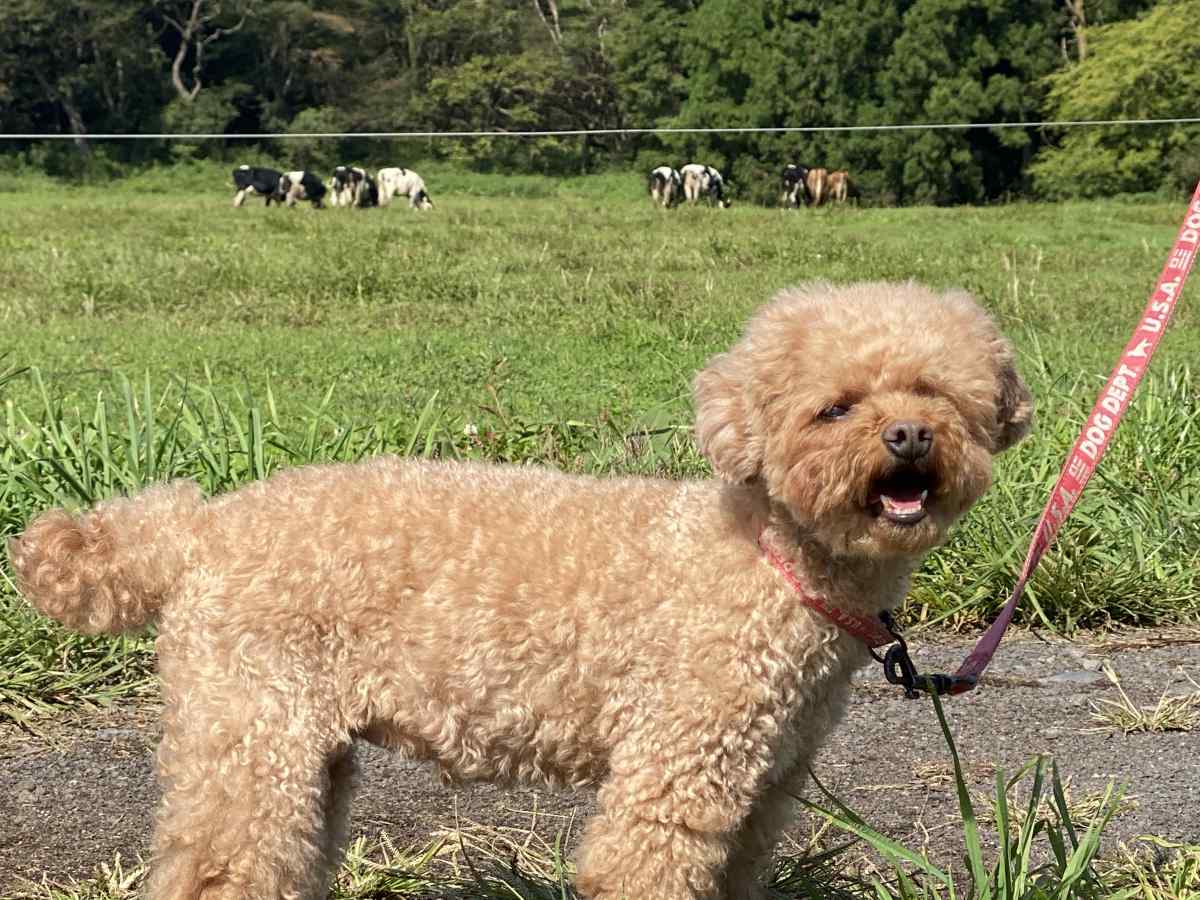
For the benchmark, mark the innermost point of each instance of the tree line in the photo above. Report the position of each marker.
(82, 67)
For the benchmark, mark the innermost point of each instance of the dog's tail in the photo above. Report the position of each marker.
(110, 568)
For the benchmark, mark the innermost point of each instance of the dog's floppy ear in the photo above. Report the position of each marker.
(1014, 402)
(725, 419)
(1014, 406)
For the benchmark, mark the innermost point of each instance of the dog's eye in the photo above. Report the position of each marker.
(837, 411)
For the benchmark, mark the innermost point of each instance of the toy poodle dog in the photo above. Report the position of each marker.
(512, 622)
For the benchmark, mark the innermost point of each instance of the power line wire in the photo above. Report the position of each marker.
(580, 132)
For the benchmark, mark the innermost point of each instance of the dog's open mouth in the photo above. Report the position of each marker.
(902, 497)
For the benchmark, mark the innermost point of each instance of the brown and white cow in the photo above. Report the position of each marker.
(816, 183)
(840, 186)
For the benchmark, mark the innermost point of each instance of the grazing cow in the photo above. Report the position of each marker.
(352, 186)
(368, 192)
(795, 193)
(841, 187)
(397, 181)
(301, 185)
(256, 180)
(666, 186)
(700, 180)
(341, 187)
(816, 183)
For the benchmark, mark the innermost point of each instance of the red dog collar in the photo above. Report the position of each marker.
(870, 631)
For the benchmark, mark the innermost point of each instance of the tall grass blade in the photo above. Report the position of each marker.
(850, 821)
(1004, 881)
(981, 882)
(425, 427)
(1079, 865)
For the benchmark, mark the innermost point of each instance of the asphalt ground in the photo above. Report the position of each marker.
(77, 789)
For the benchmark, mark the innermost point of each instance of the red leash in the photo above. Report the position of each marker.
(1097, 432)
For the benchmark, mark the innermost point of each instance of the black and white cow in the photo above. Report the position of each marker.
(352, 186)
(301, 185)
(666, 186)
(341, 187)
(795, 192)
(368, 192)
(396, 181)
(256, 180)
(700, 180)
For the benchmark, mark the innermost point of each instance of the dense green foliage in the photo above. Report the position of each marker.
(223, 66)
(1148, 68)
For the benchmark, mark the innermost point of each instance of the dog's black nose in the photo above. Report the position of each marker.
(908, 440)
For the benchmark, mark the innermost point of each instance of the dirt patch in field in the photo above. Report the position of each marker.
(81, 789)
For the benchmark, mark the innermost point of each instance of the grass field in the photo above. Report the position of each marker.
(149, 330)
(561, 318)
(569, 305)
(167, 333)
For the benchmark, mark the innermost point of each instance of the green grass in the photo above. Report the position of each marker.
(568, 306)
(166, 334)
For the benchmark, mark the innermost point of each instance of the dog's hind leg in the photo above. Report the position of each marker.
(255, 774)
(226, 835)
(257, 820)
(342, 772)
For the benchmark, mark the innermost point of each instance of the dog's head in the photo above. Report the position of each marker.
(870, 412)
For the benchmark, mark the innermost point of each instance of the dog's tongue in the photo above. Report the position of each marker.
(903, 501)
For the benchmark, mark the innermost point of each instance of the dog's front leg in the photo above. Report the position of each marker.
(625, 856)
(749, 867)
(667, 824)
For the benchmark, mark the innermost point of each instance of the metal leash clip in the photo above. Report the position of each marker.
(898, 668)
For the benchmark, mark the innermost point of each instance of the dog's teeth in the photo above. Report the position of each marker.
(902, 506)
(904, 509)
